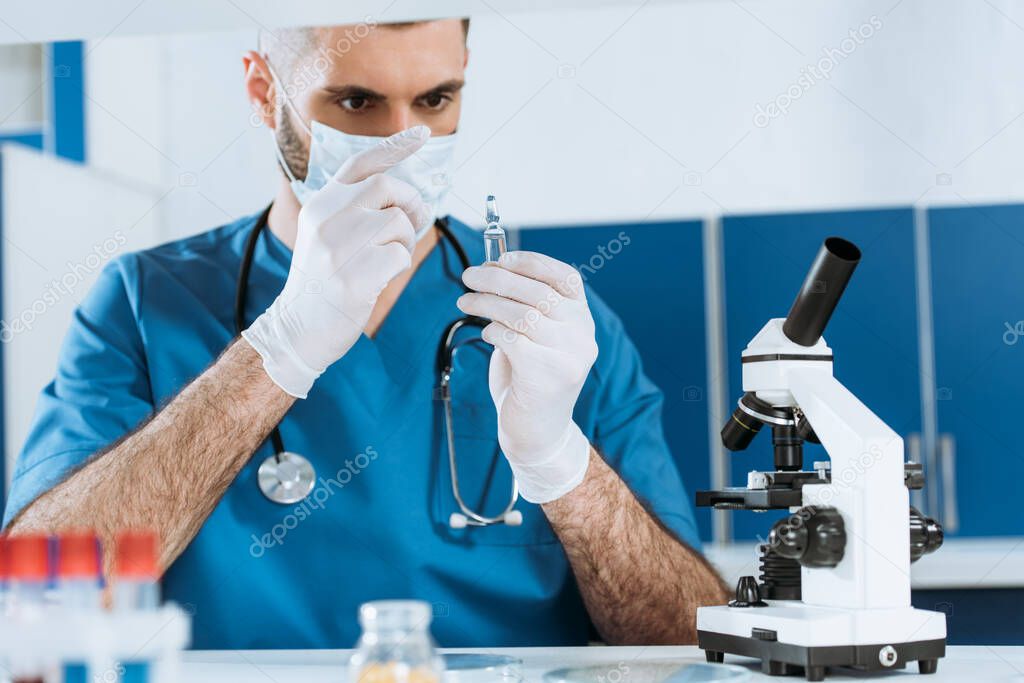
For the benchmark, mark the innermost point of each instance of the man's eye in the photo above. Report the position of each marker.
(436, 101)
(354, 103)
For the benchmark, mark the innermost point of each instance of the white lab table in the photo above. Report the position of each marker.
(960, 563)
(990, 664)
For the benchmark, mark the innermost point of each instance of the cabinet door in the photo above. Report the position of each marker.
(655, 284)
(978, 296)
(873, 332)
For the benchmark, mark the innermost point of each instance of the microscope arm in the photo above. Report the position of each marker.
(867, 489)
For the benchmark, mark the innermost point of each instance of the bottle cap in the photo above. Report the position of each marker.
(28, 557)
(395, 615)
(78, 555)
(136, 556)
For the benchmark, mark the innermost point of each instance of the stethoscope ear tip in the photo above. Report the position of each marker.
(513, 518)
(458, 521)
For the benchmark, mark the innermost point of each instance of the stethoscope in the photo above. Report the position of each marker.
(284, 477)
(287, 478)
(445, 363)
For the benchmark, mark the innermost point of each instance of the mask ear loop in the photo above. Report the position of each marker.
(281, 98)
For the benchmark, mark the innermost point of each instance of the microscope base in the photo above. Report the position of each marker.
(788, 636)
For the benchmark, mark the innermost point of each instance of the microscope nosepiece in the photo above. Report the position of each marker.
(746, 421)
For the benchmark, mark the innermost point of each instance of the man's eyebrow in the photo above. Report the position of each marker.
(449, 86)
(345, 91)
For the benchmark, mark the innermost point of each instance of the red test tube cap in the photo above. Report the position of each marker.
(28, 557)
(5, 570)
(78, 555)
(136, 555)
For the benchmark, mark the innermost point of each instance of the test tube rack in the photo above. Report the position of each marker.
(40, 644)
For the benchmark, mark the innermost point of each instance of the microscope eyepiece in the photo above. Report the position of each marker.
(821, 290)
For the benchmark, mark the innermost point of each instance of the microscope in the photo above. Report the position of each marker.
(834, 587)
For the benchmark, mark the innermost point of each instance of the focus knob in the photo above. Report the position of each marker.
(813, 536)
(925, 535)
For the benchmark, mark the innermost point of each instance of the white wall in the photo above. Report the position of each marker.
(627, 112)
(21, 97)
(169, 115)
(54, 247)
(49, 20)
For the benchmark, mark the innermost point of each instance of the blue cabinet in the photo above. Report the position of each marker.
(655, 284)
(873, 331)
(978, 294)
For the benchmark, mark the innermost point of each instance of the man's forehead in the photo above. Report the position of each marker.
(438, 31)
(387, 54)
(413, 58)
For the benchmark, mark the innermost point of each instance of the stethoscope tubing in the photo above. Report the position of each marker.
(446, 358)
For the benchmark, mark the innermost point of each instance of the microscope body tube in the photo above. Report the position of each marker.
(822, 288)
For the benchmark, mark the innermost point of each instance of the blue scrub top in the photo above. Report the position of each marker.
(263, 575)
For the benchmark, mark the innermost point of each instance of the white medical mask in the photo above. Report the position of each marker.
(428, 170)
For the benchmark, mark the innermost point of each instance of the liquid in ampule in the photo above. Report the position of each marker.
(494, 243)
(494, 234)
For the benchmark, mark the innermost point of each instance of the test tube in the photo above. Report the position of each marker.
(78, 589)
(28, 559)
(5, 577)
(135, 572)
(136, 588)
(494, 234)
(78, 570)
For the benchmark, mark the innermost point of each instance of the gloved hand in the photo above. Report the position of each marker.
(354, 236)
(543, 336)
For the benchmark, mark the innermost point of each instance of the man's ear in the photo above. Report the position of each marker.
(465, 60)
(259, 88)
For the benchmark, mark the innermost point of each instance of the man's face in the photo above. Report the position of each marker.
(368, 80)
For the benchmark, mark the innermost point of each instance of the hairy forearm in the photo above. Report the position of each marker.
(640, 584)
(171, 472)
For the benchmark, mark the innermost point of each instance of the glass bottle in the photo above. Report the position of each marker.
(396, 646)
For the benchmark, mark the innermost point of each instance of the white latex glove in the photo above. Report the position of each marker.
(543, 336)
(354, 236)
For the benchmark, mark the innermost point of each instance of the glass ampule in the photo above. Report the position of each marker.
(396, 645)
(494, 235)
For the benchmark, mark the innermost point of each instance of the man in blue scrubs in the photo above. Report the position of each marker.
(159, 413)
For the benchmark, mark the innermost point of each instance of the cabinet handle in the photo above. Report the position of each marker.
(947, 460)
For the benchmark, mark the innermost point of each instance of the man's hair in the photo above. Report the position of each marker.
(286, 48)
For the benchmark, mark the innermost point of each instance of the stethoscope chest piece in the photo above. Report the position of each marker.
(286, 477)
